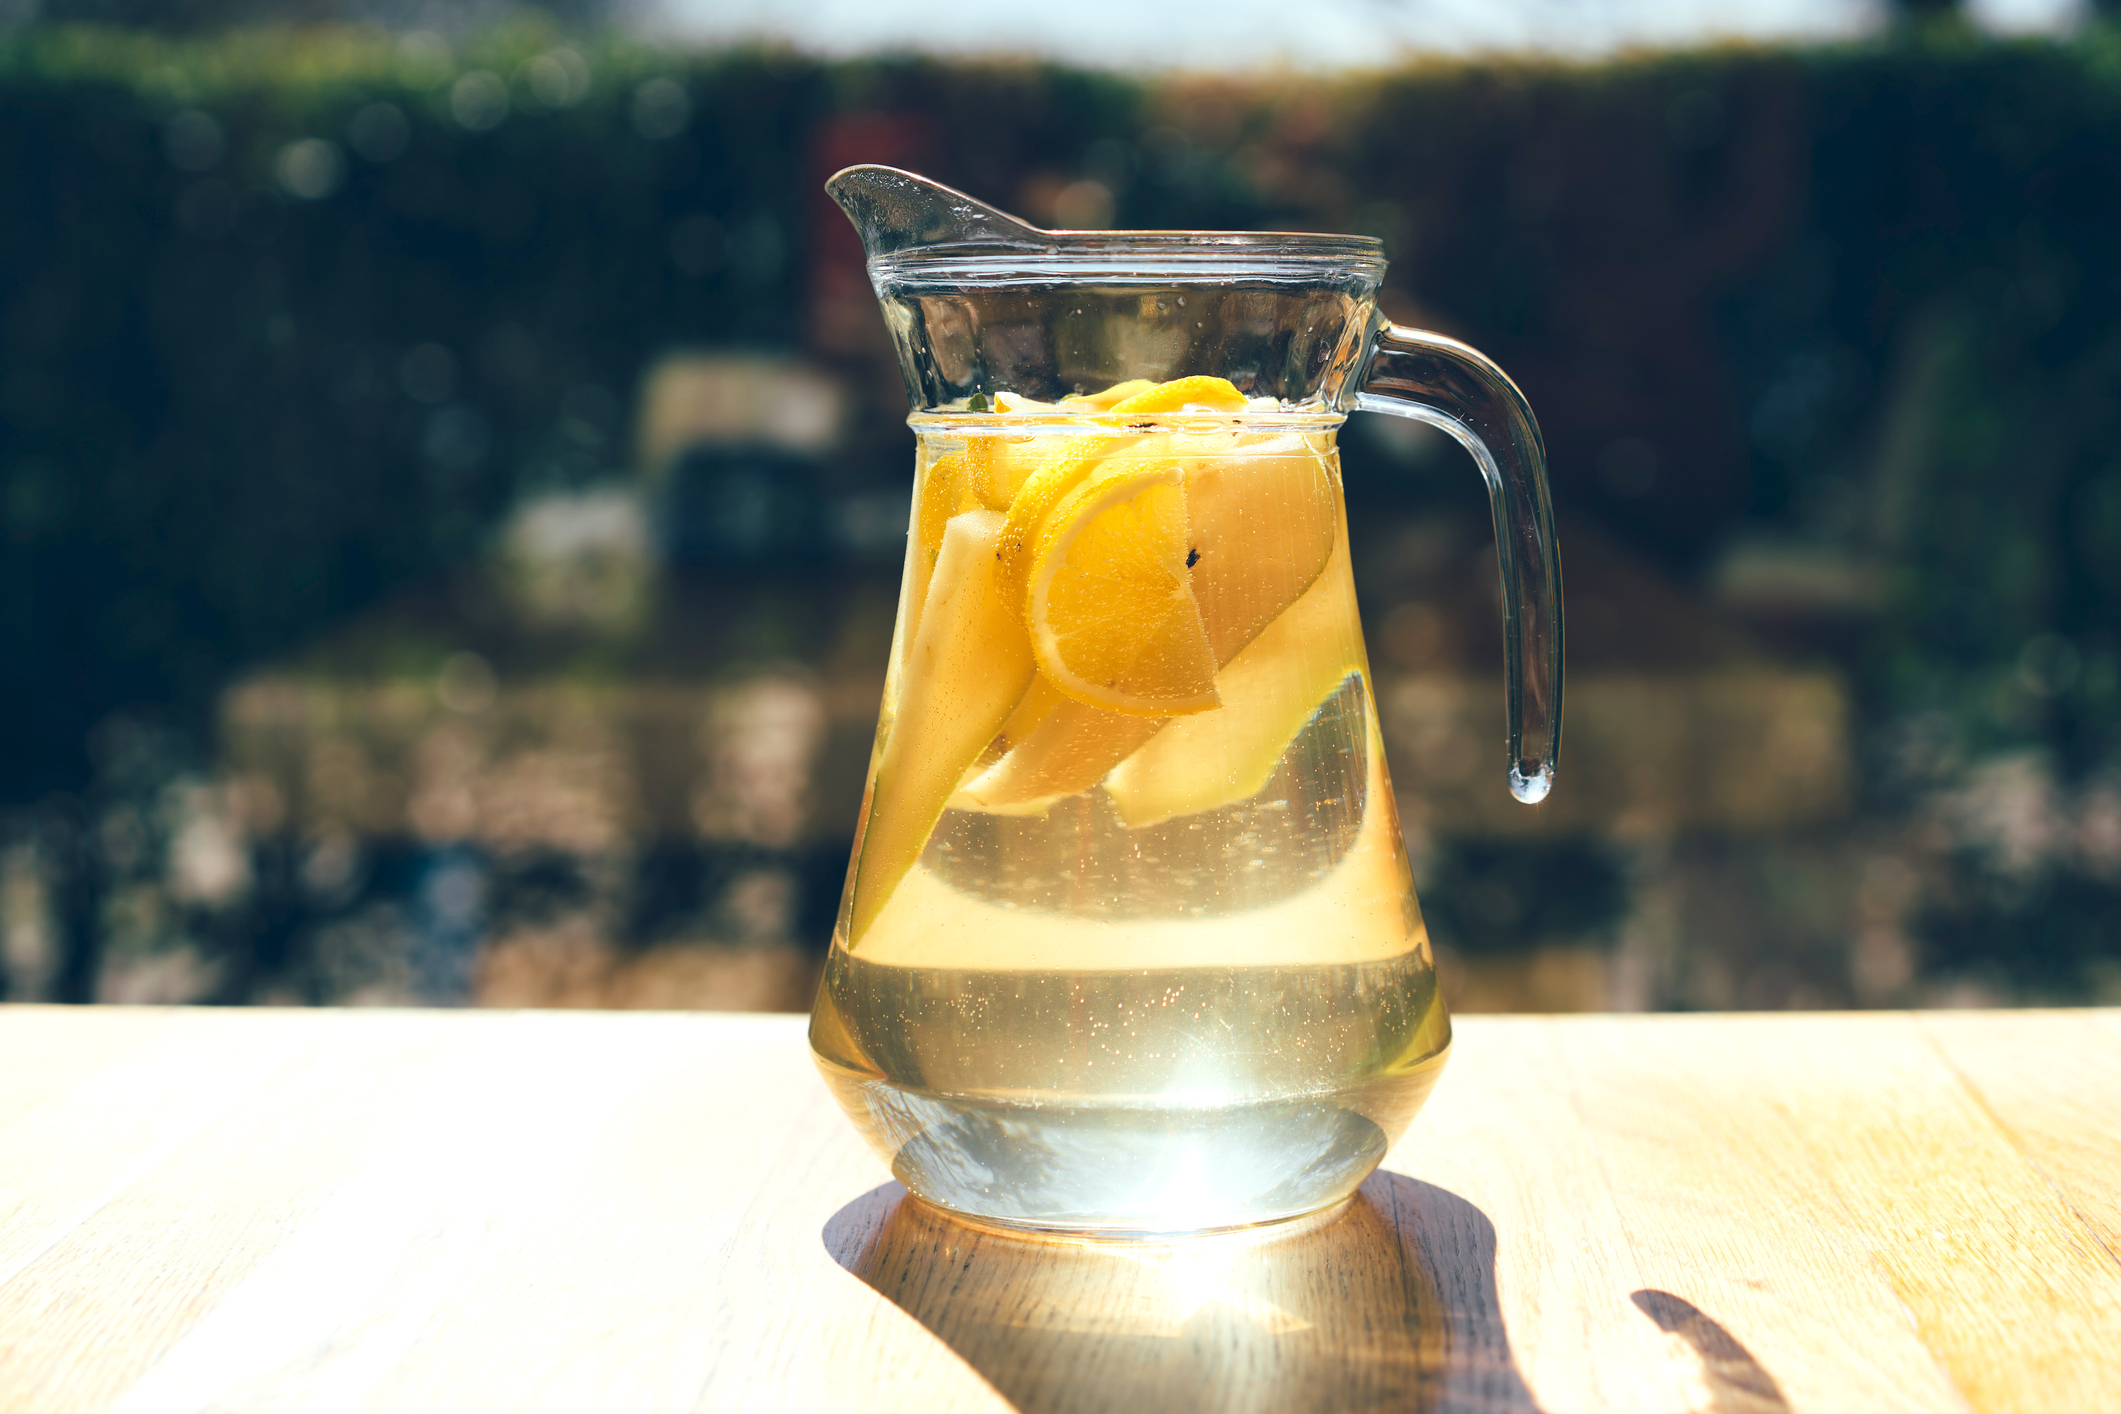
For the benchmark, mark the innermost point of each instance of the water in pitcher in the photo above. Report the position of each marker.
(1129, 943)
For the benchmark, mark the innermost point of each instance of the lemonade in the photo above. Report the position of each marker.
(1129, 943)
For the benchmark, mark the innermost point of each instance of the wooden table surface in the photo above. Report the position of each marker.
(348, 1211)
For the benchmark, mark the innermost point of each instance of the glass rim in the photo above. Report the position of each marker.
(1139, 257)
(958, 422)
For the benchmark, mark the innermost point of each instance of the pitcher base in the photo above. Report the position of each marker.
(1127, 1170)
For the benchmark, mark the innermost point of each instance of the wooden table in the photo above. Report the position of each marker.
(259, 1210)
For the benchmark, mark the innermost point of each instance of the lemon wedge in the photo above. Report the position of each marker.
(1122, 651)
(1271, 576)
(946, 490)
(1069, 749)
(1262, 517)
(997, 462)
(1109, 602)
(968, 668)
(1270, 691)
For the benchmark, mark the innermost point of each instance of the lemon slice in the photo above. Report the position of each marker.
(1065, 463)
(1069, 461)
(1000, 467)
(1099, 402)
(994, 466)
(1109, 602)
(1216, 394)
(1198, 392)
(997, 463)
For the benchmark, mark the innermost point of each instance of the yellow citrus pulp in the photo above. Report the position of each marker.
(1109, 603)
(1141, 607)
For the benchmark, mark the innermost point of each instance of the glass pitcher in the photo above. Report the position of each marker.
(1129, 944)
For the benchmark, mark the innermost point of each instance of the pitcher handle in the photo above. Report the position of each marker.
(1413, 373)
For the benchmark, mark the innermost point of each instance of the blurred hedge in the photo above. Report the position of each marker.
(270, 351)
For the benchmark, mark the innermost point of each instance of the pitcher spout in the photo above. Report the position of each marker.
(897, 211)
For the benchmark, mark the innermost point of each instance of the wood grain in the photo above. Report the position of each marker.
(1649, 1160)
(563, 1211)
(2049, 1085)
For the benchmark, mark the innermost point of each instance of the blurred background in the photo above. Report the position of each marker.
(453, 477)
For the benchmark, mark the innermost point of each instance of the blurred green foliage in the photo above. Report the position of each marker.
(232, 414)
(287, 320)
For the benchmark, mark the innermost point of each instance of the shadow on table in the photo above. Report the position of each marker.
(1391, 1305)
(1735, 1380)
